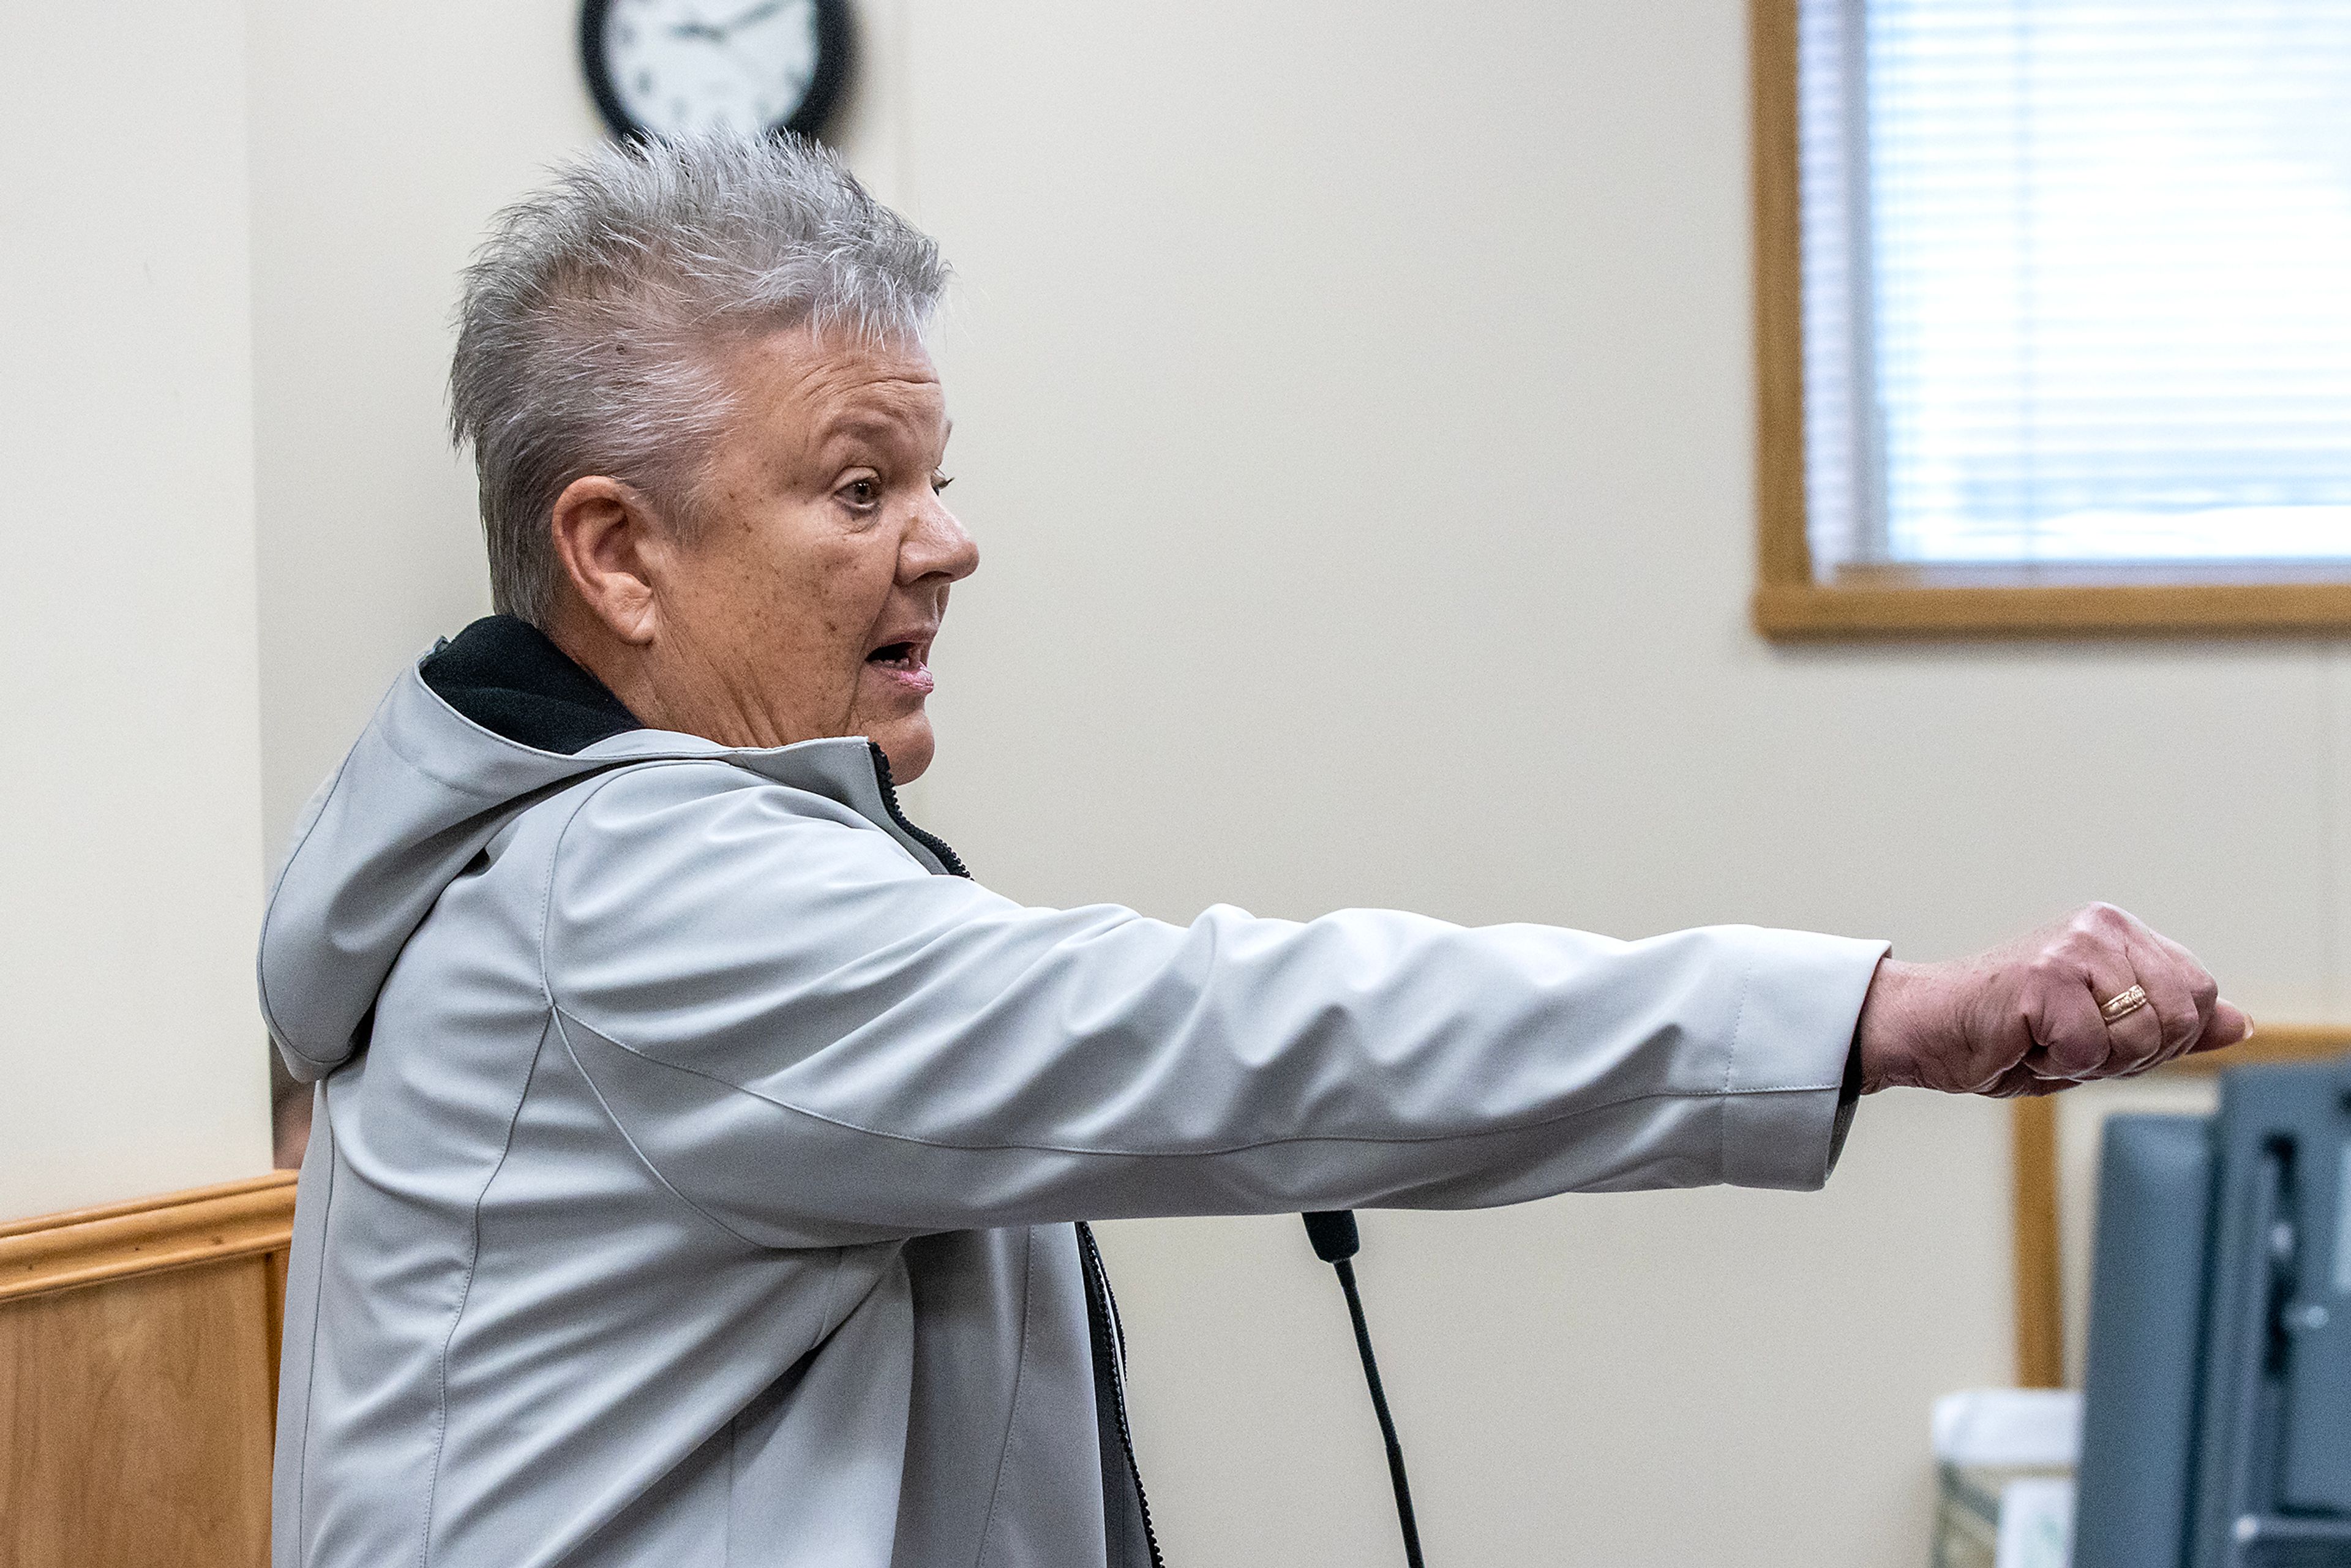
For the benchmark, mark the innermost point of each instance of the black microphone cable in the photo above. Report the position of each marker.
(1336, 1242)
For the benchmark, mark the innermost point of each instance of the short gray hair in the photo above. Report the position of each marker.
(589, 334)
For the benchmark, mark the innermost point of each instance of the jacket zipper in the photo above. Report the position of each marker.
(931, 841)
(1110, 1348)
(1109, 1335)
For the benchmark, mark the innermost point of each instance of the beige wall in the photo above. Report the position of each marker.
(383, 138)
(129, 788)
(1353, 405)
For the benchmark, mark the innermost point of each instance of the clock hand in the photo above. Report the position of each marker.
(694, 27)
(762, 76)
(756, 13)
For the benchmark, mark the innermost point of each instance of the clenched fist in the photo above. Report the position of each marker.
(2047, 1010)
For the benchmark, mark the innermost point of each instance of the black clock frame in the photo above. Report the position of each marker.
(833, 47)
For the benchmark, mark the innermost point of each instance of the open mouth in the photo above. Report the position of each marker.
(903, 664)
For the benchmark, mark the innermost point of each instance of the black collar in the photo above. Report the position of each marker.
(510, 678)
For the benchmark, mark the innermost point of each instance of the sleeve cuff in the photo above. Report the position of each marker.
(1848, 1100)
(1785, 1109)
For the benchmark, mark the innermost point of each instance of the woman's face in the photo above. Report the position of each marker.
(806, 601)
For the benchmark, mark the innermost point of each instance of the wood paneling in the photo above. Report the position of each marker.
(138, 1379)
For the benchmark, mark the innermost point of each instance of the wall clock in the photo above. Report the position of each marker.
(665, 67)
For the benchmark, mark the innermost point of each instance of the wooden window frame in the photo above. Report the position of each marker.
(1883, 601)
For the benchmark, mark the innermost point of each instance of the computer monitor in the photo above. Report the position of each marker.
(2217, 1397)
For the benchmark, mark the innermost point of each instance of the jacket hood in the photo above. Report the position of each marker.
(473, 734)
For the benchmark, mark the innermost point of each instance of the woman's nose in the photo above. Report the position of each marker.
(939, 546)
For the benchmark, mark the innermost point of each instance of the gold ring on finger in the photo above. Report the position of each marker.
(2116, 1008)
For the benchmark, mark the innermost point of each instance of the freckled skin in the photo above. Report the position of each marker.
(822, 537)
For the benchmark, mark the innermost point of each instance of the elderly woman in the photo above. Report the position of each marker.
(698, 1146)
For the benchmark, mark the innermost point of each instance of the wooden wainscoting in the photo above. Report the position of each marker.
(138, 1379)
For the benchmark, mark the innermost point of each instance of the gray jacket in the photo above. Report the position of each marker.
(694, 1163)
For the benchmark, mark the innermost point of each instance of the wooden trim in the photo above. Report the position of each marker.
(1783, 556)
(61, 1252)
(1791, 604)
(2271, 1043)
(2039, 1317)
(2126, 602)
(2039, 1292)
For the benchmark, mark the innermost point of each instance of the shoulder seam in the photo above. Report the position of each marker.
(613, 1120)
(554, 1012)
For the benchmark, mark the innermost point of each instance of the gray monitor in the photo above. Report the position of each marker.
(2217, 1400)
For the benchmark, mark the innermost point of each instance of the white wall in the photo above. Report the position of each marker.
(129, 786)
(1353, 402)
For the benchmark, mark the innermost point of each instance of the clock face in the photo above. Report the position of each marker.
(671, 66)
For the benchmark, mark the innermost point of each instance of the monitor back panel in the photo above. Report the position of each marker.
(2146, 1299)
(2274, 1429)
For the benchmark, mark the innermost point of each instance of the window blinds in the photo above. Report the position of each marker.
(2077, 280)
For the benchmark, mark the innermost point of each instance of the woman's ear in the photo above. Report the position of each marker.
(609, 542)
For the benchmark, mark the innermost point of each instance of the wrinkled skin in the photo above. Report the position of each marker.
(2024, 1018)
(805, 599)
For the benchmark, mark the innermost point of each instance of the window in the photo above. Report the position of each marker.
(2055, 314)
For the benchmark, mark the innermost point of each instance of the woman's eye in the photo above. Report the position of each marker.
(861, 492)
(939, 482)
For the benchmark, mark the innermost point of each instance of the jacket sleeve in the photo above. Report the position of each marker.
(814, 1040)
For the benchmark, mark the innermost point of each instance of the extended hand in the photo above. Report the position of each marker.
(2025, 1019)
